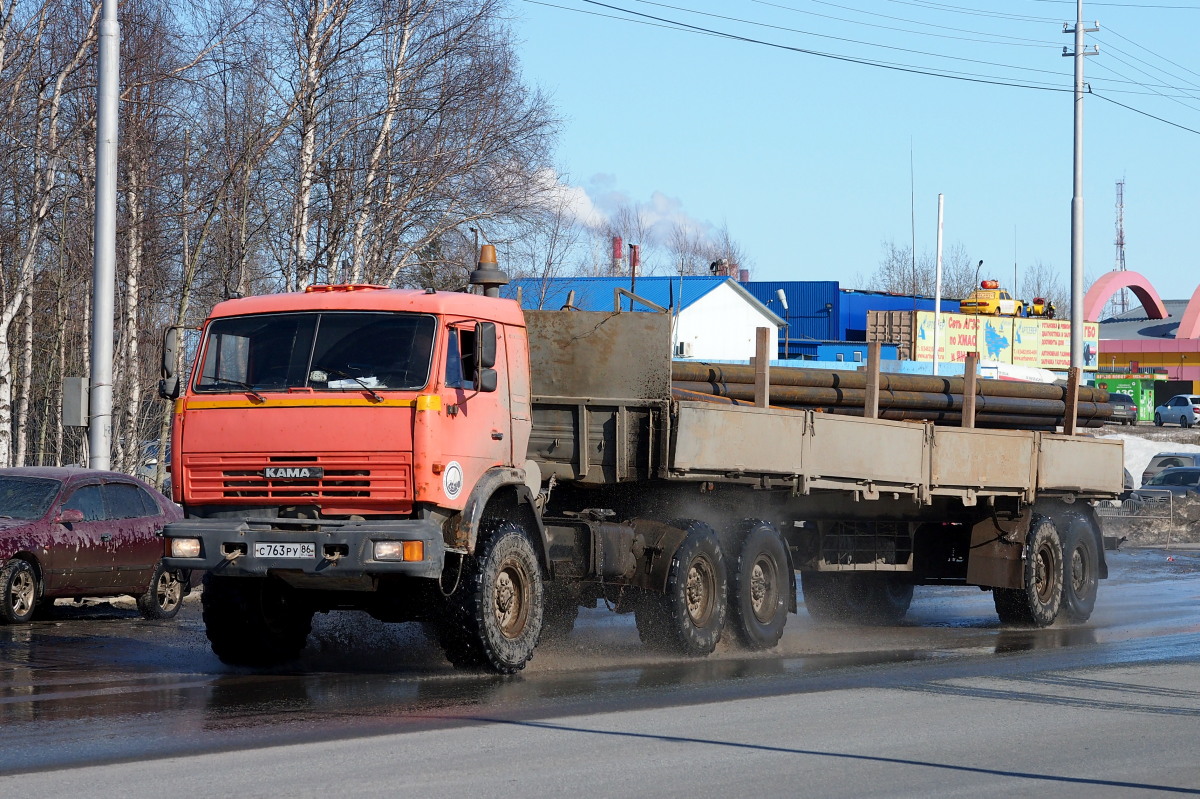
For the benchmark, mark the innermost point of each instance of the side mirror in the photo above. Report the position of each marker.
(168, 386)
(487, 380)
(70, 516)
(170, 351)
(485, 345)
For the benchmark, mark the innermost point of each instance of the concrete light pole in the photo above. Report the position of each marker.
(105, 254)
(1077, 188)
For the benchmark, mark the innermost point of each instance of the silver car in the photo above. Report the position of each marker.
(1169, 460)
(1182, 409)
(1179, 481)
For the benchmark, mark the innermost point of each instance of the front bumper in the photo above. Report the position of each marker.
(343, 549)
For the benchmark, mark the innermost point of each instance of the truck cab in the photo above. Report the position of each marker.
(431, 392)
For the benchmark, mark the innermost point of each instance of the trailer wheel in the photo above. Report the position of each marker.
(690, 613)
(758, 587)
(1038, 601)
(495, 617)
(254, 621)
(872, 599)
(164, 597)
(1081, 565)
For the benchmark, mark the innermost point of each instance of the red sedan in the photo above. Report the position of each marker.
(69, 532)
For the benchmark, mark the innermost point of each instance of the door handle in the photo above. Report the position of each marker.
(106, 536)
(497, 435)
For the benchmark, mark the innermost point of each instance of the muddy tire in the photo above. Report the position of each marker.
(692, 607)
(1037, 603)
(868, 599)
(18, 592)
(1081, 568)
(164, 597)
(495, 618)
(254, 621)
(1184, 423)
(758, 587)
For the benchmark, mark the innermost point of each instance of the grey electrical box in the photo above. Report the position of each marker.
(75, 402)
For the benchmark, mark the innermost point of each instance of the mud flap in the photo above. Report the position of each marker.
(995, 556)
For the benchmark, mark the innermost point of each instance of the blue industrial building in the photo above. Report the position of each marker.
(820, 312)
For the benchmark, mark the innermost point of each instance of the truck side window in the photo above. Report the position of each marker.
(460, 358)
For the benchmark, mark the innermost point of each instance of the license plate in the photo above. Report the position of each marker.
(272, 549)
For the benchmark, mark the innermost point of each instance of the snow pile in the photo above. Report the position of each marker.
(1139, 451)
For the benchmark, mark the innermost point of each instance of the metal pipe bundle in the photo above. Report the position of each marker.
(817, 378)
(1003, 404)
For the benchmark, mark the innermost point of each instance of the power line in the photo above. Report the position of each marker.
(898, 67)
(1144, 113)
(1016, 41)
(651, 20)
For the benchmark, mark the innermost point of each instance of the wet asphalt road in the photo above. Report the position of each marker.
(949, 703)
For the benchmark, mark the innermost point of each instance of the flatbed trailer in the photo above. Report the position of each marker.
(494, 506)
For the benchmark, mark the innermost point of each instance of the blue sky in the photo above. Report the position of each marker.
(807, 159)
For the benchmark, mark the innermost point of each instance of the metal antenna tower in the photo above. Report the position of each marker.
(1120, 301)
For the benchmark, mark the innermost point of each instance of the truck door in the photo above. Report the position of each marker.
(477, 428)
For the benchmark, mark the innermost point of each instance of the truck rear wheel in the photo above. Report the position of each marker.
(758, 587)
(253, 621)
(689, 615)
(1038, 601)
(495, 617)
(878, 599)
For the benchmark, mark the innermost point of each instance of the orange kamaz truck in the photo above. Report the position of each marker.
(452, 459)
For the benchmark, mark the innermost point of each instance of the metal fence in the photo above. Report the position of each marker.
(1150, 504)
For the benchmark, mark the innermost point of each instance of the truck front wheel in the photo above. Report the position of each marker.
(495, 618)
(758, 587)
(689, 615)
(253, 621)
(1038, 601)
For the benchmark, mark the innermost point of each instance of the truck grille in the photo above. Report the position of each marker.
(382, 479)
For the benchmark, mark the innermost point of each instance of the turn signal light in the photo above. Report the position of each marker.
(400, 550)
(185, 547)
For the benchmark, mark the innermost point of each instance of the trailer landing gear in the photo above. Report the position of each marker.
(865, 598)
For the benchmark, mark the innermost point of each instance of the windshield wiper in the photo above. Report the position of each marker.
(249, 389)
(339, 373)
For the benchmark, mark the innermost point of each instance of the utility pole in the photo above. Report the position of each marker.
(937, 288)
(104, 255)
(1077, 190)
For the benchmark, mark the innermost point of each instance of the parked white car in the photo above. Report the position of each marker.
(1182, 409)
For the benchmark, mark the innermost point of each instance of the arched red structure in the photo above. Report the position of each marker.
(1189, 326)
(1112, 282)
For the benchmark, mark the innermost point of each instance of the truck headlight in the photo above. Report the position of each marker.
(185, 547)
(399, 550)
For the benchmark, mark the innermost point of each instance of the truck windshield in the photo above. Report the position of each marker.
(348, 351)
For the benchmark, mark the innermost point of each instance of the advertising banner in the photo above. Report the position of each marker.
(1040, 343)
